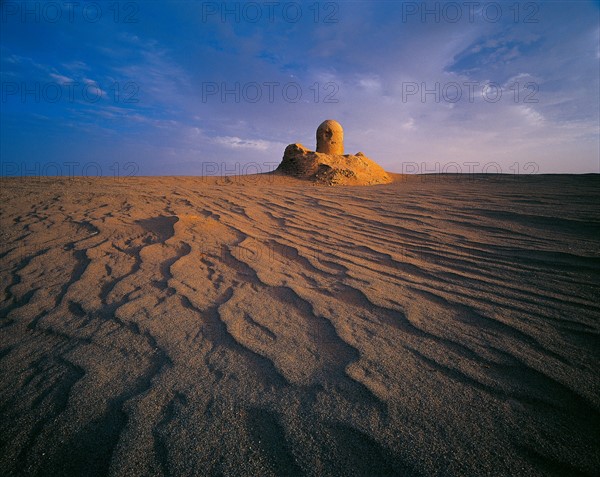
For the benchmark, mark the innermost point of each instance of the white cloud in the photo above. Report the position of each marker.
(76, 65)
(62, 79)
(371, 84)
(239, 143)
(93, 89)
(532, 116)
(409, 125)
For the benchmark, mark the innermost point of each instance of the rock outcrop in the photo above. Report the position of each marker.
(328, 164)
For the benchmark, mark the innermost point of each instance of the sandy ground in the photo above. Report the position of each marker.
(265, 326)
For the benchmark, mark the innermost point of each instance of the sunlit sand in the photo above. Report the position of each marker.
(438, 325)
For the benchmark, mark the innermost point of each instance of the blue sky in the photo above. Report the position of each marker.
(190, 87)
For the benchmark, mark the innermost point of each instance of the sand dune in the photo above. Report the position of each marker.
(264, 326)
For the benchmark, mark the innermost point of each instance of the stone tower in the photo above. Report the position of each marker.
(330, 138)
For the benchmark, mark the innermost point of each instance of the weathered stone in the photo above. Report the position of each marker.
(330, 137)
(330, 168)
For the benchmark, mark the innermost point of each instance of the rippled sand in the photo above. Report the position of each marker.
(265, 326)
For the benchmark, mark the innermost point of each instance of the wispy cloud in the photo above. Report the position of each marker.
(148, 77)
(239, 143)
(62, 80)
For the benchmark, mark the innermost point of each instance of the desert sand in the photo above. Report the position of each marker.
(267, 326)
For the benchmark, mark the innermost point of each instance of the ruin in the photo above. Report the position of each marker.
(330, 137)
(328, 164)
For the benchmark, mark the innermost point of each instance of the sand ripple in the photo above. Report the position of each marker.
(264, 326)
